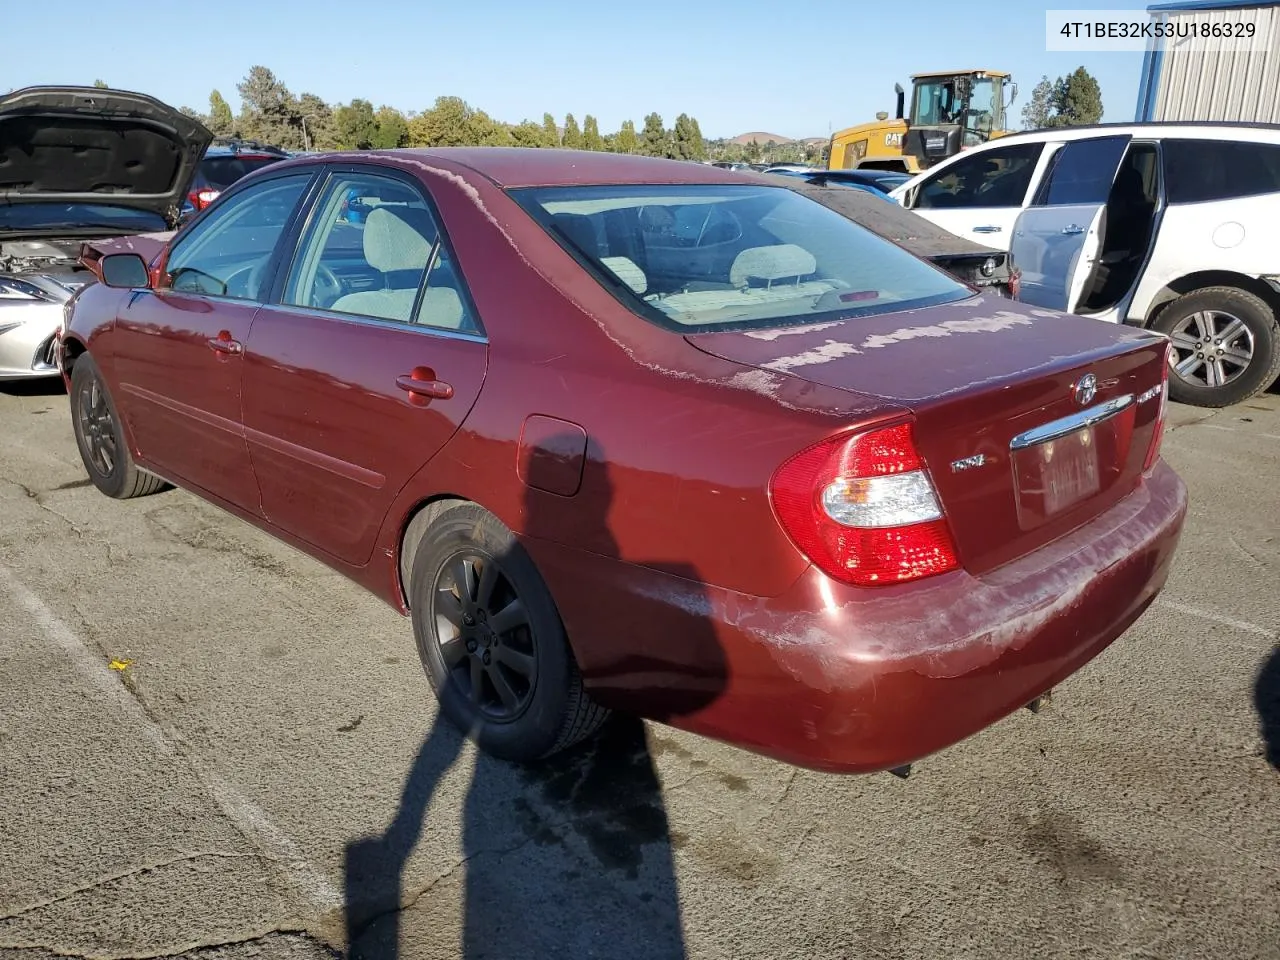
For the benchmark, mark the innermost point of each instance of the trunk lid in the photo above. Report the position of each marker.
(1018, 455)
(97, 146)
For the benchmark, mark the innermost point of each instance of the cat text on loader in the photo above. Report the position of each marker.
(950, 111)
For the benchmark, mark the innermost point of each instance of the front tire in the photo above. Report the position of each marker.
(491, 640)
(100, 437)
(1226, 346)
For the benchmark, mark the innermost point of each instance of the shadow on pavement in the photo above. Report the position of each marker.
(1266, 699)
(570, 858)
(34, 387)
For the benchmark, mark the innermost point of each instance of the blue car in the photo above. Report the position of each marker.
(878, 182)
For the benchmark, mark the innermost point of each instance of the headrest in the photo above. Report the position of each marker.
(783, 260)
(625, 269)
(398, 238)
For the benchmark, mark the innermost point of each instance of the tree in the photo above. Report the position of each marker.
(682, 145)
(268, 110)
(653, 139)
(699, 144)
(1077, 100)
(1036, 113)
(572, 139)
(355, 125)
(320, 131)
(529, 134)
(392, 129)
(221, 122)
(551, 133)
(626, 141)
(100, 84)
(591, 139)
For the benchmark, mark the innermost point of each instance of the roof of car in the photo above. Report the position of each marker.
(544, 167)
(1165, 128)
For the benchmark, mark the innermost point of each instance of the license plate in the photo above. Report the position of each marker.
(1068, 470)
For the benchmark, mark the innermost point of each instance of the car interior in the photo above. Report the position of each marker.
(1127, 228)
(700, 262)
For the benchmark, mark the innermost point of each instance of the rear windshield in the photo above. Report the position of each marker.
(697, 257)
(222, 172)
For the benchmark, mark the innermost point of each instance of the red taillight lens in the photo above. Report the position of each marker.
(206, 197)
(1157, 435)
(863, 509)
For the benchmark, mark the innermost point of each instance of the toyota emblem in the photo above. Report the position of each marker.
(1085, 389)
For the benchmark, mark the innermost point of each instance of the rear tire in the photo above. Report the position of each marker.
(1244, 362)
(100, 437)
(492, 642)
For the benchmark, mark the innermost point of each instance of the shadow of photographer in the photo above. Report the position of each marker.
(568, 857)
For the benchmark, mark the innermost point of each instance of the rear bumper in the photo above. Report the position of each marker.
(848, 680)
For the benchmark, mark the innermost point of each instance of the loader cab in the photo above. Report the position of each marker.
(951, 112)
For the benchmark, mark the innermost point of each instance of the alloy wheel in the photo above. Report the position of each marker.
(1211, 348)
(485, 637)
(97, 428)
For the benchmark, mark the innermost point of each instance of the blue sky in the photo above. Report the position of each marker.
(796, 68)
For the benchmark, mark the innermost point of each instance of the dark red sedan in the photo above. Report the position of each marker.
(635, 434)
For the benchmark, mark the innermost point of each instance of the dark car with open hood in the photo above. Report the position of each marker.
(77, 164)
(637, 434)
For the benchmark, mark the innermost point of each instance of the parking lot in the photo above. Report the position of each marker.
(212, 745)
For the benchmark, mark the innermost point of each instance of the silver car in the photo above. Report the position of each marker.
(78, 164)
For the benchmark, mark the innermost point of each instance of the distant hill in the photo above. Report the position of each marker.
(762, 138)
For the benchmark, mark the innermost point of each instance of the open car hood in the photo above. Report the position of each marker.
(94, 145)
(889, 219)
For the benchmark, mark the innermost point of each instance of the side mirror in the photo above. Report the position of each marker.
(127, 270)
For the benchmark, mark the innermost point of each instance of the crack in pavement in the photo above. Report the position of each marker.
(40, 498)
(185, 949)
(124, 875)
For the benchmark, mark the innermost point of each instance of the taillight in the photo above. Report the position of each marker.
(863, 509)
(1157, 435)
(1015, 283)
(206, 197)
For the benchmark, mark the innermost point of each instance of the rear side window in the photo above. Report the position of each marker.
(695, 257)
(993, 178)
(222, 172)
(1197, 171)
(1082, 171)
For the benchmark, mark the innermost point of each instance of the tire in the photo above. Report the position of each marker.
(100, 437)
(530, 653)
(1250, 357)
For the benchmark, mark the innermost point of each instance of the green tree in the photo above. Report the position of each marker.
(356, 125)
(572, 139)
(591, 139)
(100, 84)
(319, 128)
(269, 111)
(626, 141)
(1038, 110)
(686, 144)
(392, 129)
(528, 134)
(221, 121)
(550, 132)
(1077, 100)
(653, 139)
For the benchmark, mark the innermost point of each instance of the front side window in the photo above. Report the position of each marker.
(993, 178)
(227, 254)
(373, 249)
(694, 257)
(1082, 171)
(1197, 171)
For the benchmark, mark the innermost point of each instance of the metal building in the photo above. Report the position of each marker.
(1218, 79)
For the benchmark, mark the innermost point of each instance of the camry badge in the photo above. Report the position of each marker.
(1085, 389)
(968, 463)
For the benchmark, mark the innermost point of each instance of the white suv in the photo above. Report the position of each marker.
(1175, 226)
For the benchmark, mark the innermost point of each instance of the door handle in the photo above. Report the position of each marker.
(223, 343)
(1071, 230)
(425, 387)
(988, 229)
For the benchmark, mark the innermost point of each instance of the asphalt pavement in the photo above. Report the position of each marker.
(211, 745)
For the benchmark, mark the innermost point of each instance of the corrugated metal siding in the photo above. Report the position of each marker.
(1221, 80)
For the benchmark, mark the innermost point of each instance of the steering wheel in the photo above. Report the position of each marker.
(326, 287)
